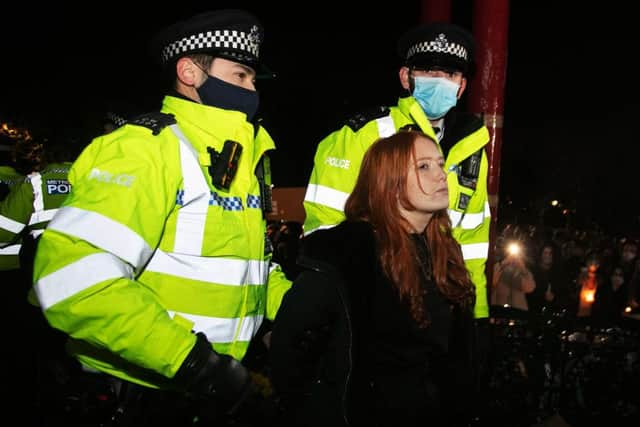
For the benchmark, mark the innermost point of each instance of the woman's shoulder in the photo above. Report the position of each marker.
(340, 244)
(346, 233)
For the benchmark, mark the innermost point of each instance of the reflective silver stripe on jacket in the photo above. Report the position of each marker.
(195, 200)
(475, 251)
(224, 271)
(10, 250)
(39, 213)
(10, 225)
(467, 220)
(386, 127)
(219, 329)
(78, 276)
(326, 196)
(104, 233)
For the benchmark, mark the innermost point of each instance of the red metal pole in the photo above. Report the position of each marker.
(435, 11)
(486, 94)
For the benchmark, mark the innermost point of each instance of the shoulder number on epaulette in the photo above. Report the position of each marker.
(155, 121)
(359, 120)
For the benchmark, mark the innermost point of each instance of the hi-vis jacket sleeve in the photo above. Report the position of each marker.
(277, 286)
(15, 211)
(91, 253)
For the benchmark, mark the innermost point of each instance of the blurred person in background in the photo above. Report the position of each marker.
(512, 279)
(611, 298)
(552, 289)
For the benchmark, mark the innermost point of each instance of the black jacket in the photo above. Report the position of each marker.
(321, 357)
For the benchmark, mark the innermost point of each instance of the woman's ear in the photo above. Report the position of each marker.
(188, 72)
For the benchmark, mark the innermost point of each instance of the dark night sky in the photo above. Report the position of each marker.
(571, 95)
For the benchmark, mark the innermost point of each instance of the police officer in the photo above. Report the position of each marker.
(9, 178)
(436, 63)
(32, 203)
(158, 265)
(26, 211)
(27, 155)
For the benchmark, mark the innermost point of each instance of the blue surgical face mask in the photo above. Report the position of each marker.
(436, 95)
(220, 94)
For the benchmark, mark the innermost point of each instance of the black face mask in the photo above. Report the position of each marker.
(220, 94)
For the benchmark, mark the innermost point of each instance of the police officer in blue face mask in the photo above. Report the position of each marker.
(436, 60)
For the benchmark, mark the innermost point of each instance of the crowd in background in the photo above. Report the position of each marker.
(564, 263)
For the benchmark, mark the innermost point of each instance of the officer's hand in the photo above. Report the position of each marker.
(213, 376)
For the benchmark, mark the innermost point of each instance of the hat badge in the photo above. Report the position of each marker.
(254, 35)
(441, 41)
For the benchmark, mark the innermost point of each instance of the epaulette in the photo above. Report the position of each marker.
(362, 118)
(156, 121)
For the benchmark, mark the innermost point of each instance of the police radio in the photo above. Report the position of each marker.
(225, 164)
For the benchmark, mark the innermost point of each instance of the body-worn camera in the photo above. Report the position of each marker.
(224, 164)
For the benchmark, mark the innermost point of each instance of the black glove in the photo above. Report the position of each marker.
(213, 376)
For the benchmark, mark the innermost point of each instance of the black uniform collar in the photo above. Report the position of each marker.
(174, 93)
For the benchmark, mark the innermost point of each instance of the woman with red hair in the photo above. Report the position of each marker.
(378, 327)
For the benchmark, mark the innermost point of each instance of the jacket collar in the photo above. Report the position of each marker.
(410, 108)
(207, 126)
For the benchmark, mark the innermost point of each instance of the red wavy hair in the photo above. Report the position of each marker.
(381, 184)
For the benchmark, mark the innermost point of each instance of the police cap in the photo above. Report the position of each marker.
(437, 44)
(232, 34)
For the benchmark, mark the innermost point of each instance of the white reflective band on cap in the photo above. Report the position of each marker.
(232, 39)
(224, 271)
(10, 225)
(386, 127)
(326, 196)
(223, 330)
(11, 250)
(439, 45)
(475, 251)
(102, 232)
(42, 216)
(78, 276)
(195, 200)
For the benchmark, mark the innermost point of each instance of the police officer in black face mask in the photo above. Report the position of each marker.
(189, 184)
(227, 60)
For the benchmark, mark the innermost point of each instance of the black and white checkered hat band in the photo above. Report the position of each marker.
(221, 39)
(438, 47)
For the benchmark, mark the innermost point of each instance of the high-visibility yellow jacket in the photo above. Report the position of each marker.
(9, 246)
(32, 203)
(29, 207)
(337, 163)
(146, 250)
